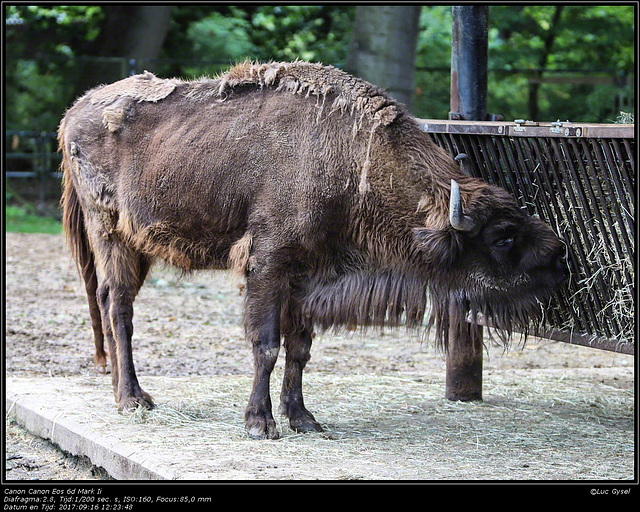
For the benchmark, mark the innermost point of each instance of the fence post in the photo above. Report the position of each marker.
(469, 57)
(464, 360)
(41, 168)
(469, 62)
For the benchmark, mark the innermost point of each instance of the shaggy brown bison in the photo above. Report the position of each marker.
(320, 189)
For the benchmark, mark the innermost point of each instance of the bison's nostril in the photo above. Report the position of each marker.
(559, 263)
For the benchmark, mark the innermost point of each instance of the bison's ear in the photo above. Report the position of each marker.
(439, 247)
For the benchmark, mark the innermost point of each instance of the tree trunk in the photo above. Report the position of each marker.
(144, 39)
(383, 48)
(129, 32)
(534, 87)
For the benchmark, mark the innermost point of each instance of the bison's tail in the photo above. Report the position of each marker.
(73, 224)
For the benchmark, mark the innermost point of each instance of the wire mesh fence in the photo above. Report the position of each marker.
(581, 180)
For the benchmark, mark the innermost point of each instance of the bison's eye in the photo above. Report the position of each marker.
(503, 244)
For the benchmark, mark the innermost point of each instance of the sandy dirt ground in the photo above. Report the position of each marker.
(190, 327)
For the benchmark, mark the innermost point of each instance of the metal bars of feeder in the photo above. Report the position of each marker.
(580, 179)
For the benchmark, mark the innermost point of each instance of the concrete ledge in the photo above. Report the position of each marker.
(534, 424)
(175, 441)
(118, 459)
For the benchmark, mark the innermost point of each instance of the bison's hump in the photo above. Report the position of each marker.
(314, 79)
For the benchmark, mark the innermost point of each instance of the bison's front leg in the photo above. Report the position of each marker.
(262, 323)
(298, 347)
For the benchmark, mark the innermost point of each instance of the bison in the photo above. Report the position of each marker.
(317, 187)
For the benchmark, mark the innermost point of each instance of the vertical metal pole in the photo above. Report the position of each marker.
(469, 62)
(469, 57)
(464, 360)
(41, 168)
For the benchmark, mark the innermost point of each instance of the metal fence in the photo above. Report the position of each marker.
(579, 178)
(32, 156)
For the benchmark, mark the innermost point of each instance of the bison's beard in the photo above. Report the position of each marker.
(392, 298)
(502, 314)
(365, 299)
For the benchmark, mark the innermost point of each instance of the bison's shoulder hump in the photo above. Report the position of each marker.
(350, 93)
(142, 87)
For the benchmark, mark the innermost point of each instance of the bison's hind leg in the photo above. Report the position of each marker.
(91, 286)
(123, 271)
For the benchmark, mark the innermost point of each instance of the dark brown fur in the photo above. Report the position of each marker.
(315, 186)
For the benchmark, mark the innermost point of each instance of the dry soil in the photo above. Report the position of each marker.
(190, 327)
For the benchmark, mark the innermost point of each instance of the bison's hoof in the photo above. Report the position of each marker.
(300, 419)
(131, 403)
(305, 423)
(261, 428)
(305, 426)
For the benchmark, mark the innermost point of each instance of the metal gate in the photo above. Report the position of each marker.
(580, 179)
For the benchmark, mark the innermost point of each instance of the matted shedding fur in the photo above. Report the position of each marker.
(143, 87)
(313, 79)
(350, 93)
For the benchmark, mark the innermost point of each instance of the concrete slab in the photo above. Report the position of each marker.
(50, 408)
(169, 443)
(542, 425)
(80, 416)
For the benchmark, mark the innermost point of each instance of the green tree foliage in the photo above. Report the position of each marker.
(39, 42)
(43, 45)
(54, 30)
(219, 39)
(433, 61)
(306, 32)
(547, 38)
(525, 44)
(286, 32)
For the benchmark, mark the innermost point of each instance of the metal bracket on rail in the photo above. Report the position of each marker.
(556, 127)
(521, 125)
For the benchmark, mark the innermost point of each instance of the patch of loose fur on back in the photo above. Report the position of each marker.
(114, 115)
(143, 87)
(299, 77)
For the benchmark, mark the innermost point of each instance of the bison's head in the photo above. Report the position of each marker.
(493, 258)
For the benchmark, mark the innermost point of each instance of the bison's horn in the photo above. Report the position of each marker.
(458, 219)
